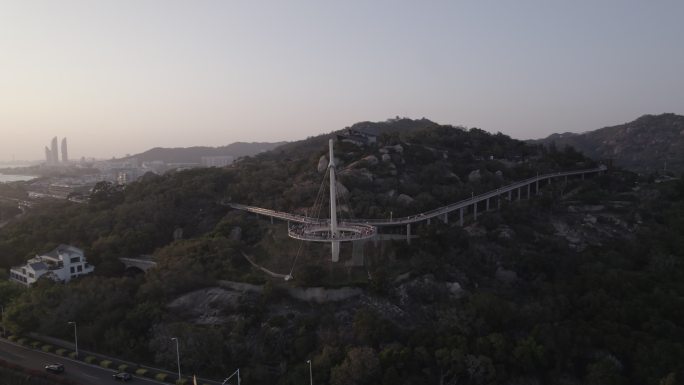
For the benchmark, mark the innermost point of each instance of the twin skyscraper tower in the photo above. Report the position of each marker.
(52, 153)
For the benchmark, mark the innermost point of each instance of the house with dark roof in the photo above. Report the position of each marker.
(61, 264)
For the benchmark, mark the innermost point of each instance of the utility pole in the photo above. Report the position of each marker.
(75, 336)
(334, 233)
(177, 357)
(310, 372)
(2, 313)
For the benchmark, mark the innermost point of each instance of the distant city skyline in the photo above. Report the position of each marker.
(52, 153)
(119, 78)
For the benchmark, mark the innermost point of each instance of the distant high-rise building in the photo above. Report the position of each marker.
(48, 156)
(54, 151)
(65, 152)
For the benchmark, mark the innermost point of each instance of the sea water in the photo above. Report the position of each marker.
(14, 178)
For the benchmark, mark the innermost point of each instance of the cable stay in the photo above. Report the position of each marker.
(330, 230)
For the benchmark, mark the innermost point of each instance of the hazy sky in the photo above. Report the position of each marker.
(121, 76)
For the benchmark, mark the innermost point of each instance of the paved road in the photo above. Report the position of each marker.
(78, 371)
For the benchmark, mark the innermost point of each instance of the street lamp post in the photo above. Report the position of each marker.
(2, 314)
(177, 356)
(75, 336)
(231, 376)
(310, 372)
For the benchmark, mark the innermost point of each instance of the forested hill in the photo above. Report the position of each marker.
(648, 144)
(415, 166)
(195, 154)
(578, 285)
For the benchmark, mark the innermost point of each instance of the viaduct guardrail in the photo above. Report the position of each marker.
(441, 212)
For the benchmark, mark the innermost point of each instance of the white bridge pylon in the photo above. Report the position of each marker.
(332, 231)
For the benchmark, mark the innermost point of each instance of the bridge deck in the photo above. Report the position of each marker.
(418, 217)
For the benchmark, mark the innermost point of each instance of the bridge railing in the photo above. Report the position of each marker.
(475, 199)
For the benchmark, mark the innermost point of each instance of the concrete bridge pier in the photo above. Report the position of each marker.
(498, 201)
(460, 220)
(582, 176)
(475, 211)
(519, 192)
(446, 218)
(509, 195)
(271, 220)
(428, 221)
(536, 189)
(487, 209)
(408, 233)
(529, 189)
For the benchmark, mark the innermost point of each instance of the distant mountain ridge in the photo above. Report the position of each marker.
(648, 144)
(195, 154)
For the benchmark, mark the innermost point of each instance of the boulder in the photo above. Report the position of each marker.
(178, 234)
(452, 176)
(393, 169)
(404, 199)
(505, 232)
(371, 159)
(235, 233)
(342, 191)
(455, 289)
(507, 276)
(322, 164)
(357, 173)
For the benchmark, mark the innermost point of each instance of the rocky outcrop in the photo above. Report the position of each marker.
(322, 295)
(205, 306)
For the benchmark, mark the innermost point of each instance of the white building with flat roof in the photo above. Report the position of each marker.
(217, 161)
(61, 264)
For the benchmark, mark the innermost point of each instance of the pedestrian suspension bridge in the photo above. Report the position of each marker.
(315, 229)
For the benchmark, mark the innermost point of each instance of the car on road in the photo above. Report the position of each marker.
(54, 368)
(122, 376)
